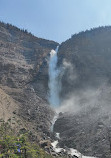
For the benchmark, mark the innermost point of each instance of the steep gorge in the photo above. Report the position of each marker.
(84, 121)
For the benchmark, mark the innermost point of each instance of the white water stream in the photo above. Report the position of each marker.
(54, 82)
(70, 151)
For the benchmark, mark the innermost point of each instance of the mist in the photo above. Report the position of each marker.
(76, 102)
(86, 99)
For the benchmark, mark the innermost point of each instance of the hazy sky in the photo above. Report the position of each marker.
(56, 19)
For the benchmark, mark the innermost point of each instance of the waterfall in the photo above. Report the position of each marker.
(54, 81)
(54, 84)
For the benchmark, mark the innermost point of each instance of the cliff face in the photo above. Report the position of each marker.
(89, 53)
(85, 123)
(22, 57)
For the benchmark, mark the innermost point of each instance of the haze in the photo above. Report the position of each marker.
(58, 19)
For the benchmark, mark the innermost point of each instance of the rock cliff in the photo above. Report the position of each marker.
(86, 118)
(22, 58)
(89, 54)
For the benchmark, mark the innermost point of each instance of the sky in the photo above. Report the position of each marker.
(56, 19)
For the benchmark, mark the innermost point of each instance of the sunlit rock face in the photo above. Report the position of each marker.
(24, 75)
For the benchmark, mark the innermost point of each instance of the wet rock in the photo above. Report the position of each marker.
(45, 144)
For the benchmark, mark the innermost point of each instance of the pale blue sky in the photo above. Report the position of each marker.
(56, 19)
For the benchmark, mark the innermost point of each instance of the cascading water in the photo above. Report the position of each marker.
(54, 81)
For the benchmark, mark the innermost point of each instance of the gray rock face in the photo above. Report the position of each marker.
(86, 125)
(22, 58)
(89, 54)
(91, 138)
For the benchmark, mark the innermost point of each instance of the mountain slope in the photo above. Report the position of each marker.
(86, 90)
(89, 53)
(22, 56)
